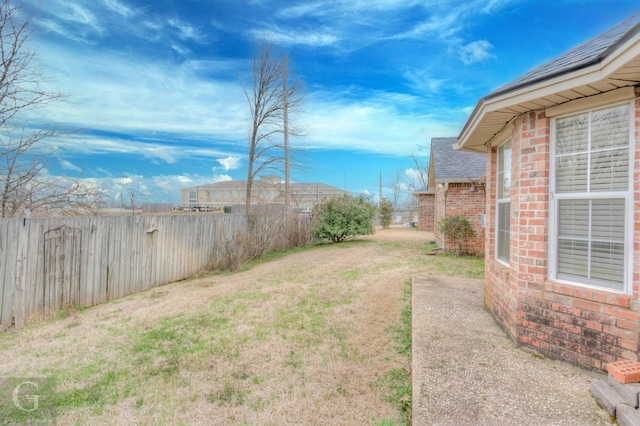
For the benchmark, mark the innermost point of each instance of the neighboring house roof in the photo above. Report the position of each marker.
(452, 165)
(449, 165)
(602, 64)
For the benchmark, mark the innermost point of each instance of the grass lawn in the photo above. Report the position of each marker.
(316, 336)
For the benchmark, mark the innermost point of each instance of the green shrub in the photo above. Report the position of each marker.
(457, 227)
(386, 210)
(342, 218)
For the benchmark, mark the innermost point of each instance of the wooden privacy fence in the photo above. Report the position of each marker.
(48, 264)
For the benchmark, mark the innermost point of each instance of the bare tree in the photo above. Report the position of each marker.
(268, 103)
(420, 178)
(133, 190)
(24, 182)
(397, 187)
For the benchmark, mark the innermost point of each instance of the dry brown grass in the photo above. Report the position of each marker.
(305, 339)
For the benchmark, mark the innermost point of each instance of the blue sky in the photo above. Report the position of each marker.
(154, 87)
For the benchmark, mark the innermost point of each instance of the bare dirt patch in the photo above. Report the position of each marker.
(305, 339)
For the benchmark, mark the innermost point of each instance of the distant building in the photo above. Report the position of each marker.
(266, 190)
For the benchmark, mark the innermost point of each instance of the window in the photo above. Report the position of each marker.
(591, 198)
(504, 202)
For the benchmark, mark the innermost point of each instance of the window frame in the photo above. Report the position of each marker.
(504, 200)
(590, 196)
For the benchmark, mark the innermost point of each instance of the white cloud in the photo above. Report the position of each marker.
(365, 125)
(73, 13)
(304, 10)
(109, 91)
(357, 10)
(290, 38)
(476, 51)
(422, 81)
(493, 5)
(437, 26)
(119, 8)
(220, 178)
(180, 50)
(412, 174)
(184, 100)
(186, 31)
(52, 26)
(101, 145)
(67, 165)
(230, 163)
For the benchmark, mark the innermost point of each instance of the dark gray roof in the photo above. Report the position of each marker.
(589, 53)
(452, 164)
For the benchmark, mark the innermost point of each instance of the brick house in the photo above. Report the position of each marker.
(455, 186)
(562, 236)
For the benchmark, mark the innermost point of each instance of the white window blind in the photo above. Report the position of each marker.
(591, 184)
(503, 236)
(504, 213)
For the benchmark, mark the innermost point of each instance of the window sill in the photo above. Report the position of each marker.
(608, 297)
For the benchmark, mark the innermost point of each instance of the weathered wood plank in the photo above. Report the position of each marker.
(33, 272)
(6, 286)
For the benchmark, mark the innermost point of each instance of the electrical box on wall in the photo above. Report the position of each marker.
(482, 220)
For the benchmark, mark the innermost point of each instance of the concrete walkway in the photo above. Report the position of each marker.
(467, 372)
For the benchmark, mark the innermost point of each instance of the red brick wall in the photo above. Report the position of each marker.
(426, 212)
(458, 200)
(471, 205)
(587, 326)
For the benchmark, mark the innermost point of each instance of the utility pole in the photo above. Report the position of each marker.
(380, 200)
(287, 183)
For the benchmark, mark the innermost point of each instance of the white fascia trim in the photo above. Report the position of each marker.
(582, 77)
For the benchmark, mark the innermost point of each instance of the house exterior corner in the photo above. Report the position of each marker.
(586, 324)
(562, 229)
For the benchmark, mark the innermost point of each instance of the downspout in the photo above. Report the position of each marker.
(444, 214)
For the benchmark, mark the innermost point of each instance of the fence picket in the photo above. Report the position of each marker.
(6, 285)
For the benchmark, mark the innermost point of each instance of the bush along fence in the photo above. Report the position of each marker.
(50, 264)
